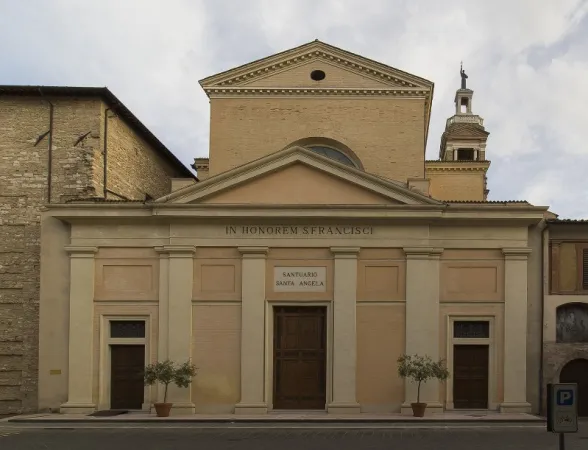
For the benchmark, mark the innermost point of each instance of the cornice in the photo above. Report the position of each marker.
(261, 70)
(457, 169)
(325, 92)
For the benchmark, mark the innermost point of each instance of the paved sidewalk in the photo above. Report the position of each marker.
(143, 417)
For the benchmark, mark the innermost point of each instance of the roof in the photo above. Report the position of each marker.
(567, 221)
(492, 202)
(112, 101)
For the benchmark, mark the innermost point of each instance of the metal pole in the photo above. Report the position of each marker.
(562, 441)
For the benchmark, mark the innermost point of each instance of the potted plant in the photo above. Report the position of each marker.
(421, 369)
(165, 373)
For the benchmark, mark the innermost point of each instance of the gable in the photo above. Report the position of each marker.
(335, 77)
(298, 184)
(305, 177)
(316, 52)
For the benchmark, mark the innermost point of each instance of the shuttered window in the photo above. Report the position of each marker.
(585, 269)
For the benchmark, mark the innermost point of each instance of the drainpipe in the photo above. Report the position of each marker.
(543, 262)
(50, 147)
(105, 151)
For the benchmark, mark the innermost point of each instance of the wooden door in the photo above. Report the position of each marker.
(470, 376)
(576, 371)
(126, 376)
(299, 358)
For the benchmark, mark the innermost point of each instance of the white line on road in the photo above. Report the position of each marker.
(266, 428)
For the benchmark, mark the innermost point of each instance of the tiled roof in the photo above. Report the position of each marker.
(490, 202)
(102, 200)
(567, 221)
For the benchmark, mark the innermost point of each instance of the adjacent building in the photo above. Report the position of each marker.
(565, 333)
(318, 246)
(59, 143)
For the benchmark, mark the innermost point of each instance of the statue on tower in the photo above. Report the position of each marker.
(463, 77)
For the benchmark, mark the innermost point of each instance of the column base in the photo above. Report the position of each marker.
(432, 408)
(251, 408)
(343, 408)
(515, 407)
(77, 408)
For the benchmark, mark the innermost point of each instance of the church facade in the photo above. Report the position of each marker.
(317, 247)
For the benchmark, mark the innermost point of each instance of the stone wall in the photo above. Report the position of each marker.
(134, 170)
(555, 357)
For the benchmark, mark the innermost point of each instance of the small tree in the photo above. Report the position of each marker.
(421, 369)
(166, 372)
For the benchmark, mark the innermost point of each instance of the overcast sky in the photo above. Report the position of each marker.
(527, 62)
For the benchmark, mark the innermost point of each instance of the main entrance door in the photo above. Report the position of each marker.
(126, 376)
(470, 376)
(299, 357)
(576, 371)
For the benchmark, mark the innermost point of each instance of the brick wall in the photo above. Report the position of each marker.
(456, 185)
(134, 169)
(387, 134)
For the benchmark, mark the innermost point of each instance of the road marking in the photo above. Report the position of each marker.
(266, 428)
(8, 433)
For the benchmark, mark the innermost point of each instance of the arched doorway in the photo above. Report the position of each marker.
(576, 371)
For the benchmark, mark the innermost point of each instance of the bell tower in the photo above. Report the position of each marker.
(464, 138)
(460, 172)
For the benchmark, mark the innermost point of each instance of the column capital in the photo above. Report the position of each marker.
(516, 253)
(345, 252)
(81, 252)
(176, 251)
(253, 252)
(422, 252)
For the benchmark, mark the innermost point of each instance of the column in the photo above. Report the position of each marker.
(515, 330)
(253, 270)
(344, 332)
(81, 328)
(422, 321)
(179, 313)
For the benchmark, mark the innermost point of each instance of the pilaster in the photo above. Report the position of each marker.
(515, 330)
(180, 278)
(163, 312)
(422, 320)
(253, 264)
(81, 329)
(344, 398)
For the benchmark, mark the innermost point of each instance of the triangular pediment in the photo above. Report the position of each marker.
(297, 176)
(291, 69)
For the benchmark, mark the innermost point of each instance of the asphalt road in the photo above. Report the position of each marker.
(297, 437)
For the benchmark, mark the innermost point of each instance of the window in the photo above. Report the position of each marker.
(471, 329)
(465, 154)
(127, 328)
(572, 323)
(568, 267)
(317, 75)
(332, 153)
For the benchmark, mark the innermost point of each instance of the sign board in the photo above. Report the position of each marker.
(562, 408)
(300, 279)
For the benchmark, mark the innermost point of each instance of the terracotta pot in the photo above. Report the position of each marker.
(418, 409)
(163, 409)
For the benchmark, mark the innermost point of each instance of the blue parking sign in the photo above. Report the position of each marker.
(565, 397)
(562, 408)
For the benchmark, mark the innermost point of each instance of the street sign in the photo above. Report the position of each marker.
(562, 408)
